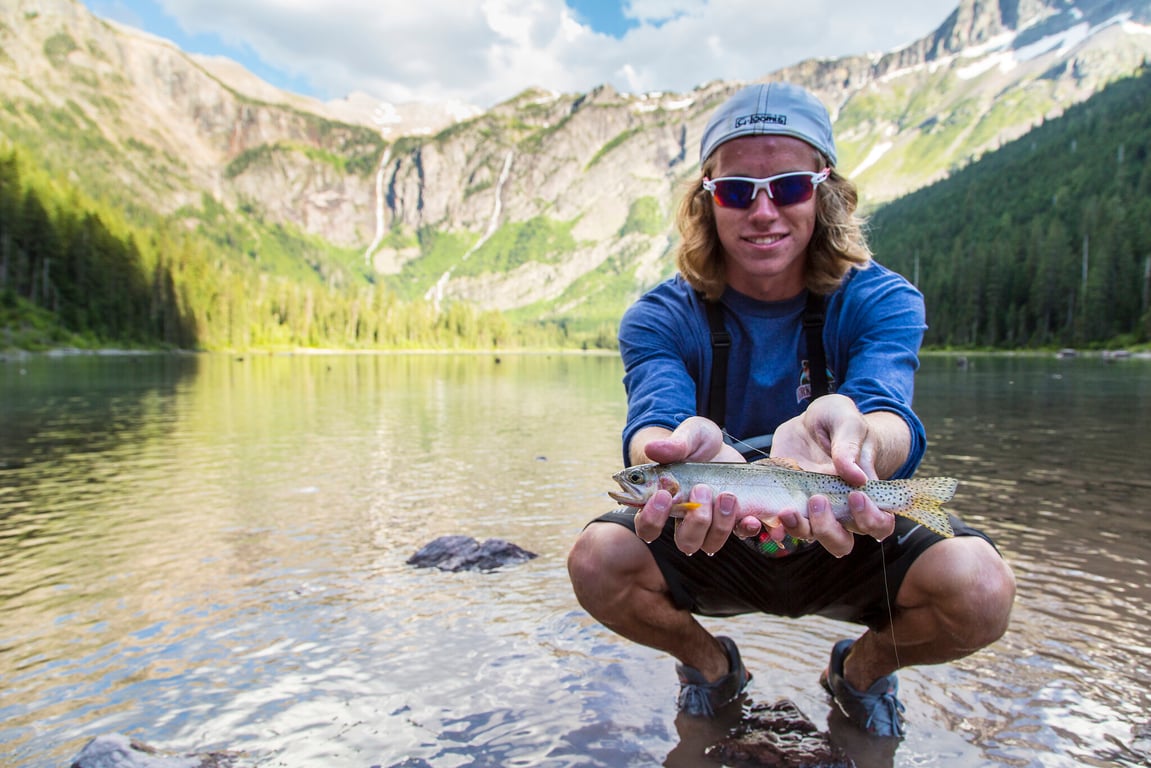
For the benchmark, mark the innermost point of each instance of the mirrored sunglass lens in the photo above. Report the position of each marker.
(791, 189)
(734, 193)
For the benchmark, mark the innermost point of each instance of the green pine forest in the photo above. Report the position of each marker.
(1044, 243)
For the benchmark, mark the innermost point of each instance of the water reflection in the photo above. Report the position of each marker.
(208, 553)
(1050, 452)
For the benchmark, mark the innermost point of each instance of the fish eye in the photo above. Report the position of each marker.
(635, 476)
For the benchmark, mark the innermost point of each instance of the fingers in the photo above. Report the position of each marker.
(826, 529)
(695, 439)
(703, 437)
(666, 450)
(692, 529)
(831, 436)
(651, 518)
(848, 457)
(747, 526)
(792, 523)
(714, 518)
(705, 528)
(838, 536)
(869, 519)
(818, 524)
(851, 444)
(724, 516)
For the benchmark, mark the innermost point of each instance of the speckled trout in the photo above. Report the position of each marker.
(774, 485)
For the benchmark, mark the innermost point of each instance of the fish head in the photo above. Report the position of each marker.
(639, 483)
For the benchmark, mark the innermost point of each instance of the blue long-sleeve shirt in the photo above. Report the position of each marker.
(872, 333)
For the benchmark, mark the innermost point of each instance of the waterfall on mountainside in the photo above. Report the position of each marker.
(380, 223)
(435, 294)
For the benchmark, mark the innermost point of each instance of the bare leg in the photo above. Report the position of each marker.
(617, 581)
(955, 600)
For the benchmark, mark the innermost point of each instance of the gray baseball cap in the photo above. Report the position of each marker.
(766, 109)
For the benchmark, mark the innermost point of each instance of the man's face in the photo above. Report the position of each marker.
(765, 246)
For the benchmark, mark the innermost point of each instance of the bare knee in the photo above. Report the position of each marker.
(970, 587)
(990, 593)
(605, 560)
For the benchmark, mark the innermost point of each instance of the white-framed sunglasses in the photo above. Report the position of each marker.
(783, 189)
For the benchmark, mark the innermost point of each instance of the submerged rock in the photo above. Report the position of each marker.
(778, 736)
(115, 750)
(463, 553)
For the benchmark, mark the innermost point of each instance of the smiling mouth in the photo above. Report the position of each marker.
(765, 239)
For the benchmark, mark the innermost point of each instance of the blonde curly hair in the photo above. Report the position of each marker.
(838, 243)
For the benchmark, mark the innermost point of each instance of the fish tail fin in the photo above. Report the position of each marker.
(939, 489)
(928, 494)
(929, 512)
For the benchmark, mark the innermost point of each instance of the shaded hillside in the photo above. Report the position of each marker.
(74, 272)
(1044, 242)
(66, 277)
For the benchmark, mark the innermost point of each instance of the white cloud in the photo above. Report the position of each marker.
(483, 52)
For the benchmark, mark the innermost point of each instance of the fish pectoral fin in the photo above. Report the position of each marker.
(685, 506)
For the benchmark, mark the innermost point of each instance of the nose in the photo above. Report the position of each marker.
(763, 206)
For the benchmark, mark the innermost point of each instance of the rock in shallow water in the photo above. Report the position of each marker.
(778, 736)
(463, 553)
(114, 750)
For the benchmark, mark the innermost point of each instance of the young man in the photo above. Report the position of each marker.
(770, 244)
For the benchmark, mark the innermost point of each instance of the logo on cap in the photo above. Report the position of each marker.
(761, 117)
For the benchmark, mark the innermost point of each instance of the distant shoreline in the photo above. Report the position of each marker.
(70, 352)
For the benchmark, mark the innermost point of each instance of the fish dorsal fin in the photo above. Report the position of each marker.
(779, 462)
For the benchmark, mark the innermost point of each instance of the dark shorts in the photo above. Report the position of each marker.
(741, 579)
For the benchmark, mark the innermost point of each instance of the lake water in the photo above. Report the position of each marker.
(208, 553)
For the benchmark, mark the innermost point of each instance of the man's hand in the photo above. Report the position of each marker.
(819, 523)
(707, 527)
(695, 439)
(833, 436)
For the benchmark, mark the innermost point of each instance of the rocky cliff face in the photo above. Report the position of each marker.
(991, 72)
(168, 131)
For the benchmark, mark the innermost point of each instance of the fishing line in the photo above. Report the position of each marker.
(890, 610)
(733, 440)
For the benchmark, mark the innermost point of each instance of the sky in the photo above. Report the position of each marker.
(481, 52)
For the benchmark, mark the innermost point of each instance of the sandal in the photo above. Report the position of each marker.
(876, 710)
(700, 698)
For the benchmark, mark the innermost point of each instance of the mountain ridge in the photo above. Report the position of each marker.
(547, 205)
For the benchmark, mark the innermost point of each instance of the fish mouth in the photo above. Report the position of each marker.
(627, 501)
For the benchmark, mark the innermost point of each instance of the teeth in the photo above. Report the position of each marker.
(768, 240)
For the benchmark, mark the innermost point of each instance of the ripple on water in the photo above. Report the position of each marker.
(222, 566)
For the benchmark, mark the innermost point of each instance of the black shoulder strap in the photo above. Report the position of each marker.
(816, 359)
(720, 346)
